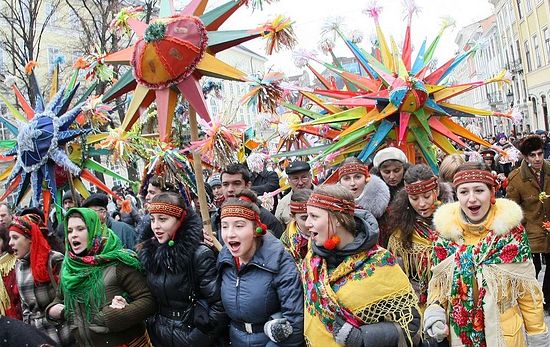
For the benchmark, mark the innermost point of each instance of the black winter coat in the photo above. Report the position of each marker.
(172, 284)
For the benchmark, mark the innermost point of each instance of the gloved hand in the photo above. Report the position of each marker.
(277, 329)
(346, 334)
(435, 322)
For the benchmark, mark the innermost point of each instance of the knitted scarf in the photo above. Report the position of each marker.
(7, 264)
(81, 276)
(467, 317)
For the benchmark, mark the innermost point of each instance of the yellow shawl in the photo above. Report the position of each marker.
(365, 288)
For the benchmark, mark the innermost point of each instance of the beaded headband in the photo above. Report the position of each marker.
(331, 203)
(352, 168)
(239, 211)
(421, 187)
(167, 209)
(467, 176)
(298, 206)
(244, 212)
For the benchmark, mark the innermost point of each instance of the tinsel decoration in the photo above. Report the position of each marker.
(97, 68)
(515, 116)
(221, 141)
(120, 22)
(155, 32)
(126, 146)
(302, 56)
(373, 10)
(332, 27)
(279, 34)
(258, 4)
(172, 166)
(411, 8)
(326, 45)
(265, 93)
(94, 112)
(30, 66)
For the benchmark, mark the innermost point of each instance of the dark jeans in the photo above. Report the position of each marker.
(546, 281)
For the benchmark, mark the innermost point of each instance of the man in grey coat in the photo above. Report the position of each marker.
(98, 202)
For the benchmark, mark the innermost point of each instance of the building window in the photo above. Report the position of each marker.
(53, 52)
(527, 56)
(518, 2)
(536, 48)
(546, 37)
(528, 6)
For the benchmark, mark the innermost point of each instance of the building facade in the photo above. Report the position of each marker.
(524, 29)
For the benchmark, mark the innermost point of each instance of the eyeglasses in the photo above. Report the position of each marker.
(99, 209)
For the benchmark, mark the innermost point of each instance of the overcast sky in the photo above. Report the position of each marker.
(310, 15)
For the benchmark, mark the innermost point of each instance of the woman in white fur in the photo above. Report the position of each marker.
(483, 290)
(369, 191)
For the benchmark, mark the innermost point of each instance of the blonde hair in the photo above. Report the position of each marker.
(449, 166)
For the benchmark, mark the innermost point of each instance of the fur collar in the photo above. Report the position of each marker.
(174, 259)
(375, 197)
(508, 216)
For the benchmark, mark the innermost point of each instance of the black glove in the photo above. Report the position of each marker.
(346, 334)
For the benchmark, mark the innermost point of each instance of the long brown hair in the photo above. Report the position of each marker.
(402, 214)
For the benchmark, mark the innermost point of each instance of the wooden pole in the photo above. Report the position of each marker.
(197, 165)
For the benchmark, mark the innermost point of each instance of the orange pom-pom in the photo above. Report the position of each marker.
(30, 66)
(331, 243)
(126, 206)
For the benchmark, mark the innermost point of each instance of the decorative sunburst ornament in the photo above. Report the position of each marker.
(174, 51)
(398, 101)
(39, 148)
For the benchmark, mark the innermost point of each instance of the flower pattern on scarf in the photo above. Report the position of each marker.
(467, 315)
(320, 286)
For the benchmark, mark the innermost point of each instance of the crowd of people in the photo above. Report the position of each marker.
(385, 254)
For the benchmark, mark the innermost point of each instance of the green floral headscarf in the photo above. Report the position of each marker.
(81, 276)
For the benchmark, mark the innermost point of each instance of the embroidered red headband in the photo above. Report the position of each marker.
(298, 206)
(421, 187)
(352, 168)
(167, 209)
(467, 176)
(20, 227)
(244, 212)
(331, 203)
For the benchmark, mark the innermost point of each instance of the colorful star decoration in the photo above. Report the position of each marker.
(394, 100)
(173, 52)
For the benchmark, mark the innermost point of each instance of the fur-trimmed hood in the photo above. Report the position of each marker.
(156, 257)
(508, 216)
(375, 197)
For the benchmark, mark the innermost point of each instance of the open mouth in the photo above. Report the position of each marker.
(234, 246)
(314, 234)
(474, 209)
(75, 244)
